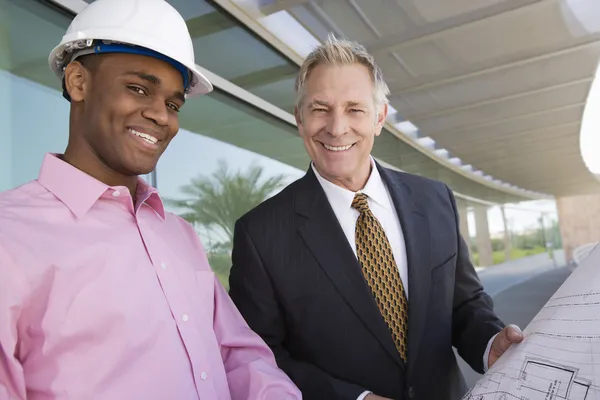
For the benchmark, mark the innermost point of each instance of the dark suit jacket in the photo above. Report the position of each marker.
(298, 284)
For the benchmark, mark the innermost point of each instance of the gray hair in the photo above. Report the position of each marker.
(341, 52)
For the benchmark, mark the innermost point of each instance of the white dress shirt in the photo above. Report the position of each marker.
(382, 206)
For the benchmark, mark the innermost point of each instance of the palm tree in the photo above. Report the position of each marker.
(215, 202)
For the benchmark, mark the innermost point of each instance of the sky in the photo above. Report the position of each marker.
(519, 217)
(586, 13)
(590, 128)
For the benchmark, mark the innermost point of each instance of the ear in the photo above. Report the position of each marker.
(77, 81)
(381, 118)
(298, 115)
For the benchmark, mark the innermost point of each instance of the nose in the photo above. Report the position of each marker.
(157, 112)
(337, 124)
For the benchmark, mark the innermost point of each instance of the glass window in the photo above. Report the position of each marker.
(34, 114)
(230, 50)
(227, 159)
(221, 137)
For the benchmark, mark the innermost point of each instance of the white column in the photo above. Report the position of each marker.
(484, 242)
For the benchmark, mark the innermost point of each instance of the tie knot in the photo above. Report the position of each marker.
(360, 203)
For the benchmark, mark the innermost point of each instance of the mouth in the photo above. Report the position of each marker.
(145, 138)
(337, 149)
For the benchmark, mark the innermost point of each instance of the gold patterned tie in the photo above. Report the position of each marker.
(381, 272)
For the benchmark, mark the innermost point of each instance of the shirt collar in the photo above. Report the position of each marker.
(374, 189)
(79, 191)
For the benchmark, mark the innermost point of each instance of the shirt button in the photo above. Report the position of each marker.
(116, 193)
(185, 317)
(203, 376)
(163, 265)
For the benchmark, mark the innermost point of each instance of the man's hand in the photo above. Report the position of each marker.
(507, 336)
(372, 396)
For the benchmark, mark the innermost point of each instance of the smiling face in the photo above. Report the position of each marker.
(338, 120)
(125, 113)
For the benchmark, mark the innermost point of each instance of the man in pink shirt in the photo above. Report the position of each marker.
(104, 294)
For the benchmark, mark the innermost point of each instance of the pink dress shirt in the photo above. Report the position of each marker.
(101, 299)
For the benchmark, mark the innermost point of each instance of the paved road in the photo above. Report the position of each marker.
(520, 289)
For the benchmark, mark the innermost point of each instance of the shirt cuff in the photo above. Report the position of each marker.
(363, 395)
(486, 354)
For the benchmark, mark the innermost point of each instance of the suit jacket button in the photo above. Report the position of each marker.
(411, 392)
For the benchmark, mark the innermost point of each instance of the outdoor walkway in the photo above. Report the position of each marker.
(500, 277)
(520, 289)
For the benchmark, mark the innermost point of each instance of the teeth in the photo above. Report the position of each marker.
(145, 136)
(334, 148)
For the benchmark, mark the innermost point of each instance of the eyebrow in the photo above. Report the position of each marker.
(351, 103)
(155, 80)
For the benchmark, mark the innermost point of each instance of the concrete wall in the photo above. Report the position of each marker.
(579, 218)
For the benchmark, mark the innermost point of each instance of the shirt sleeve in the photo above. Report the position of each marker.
(12, 289)
(251, 368)
(486, 353)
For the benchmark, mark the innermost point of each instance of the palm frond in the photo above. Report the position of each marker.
(218, 200)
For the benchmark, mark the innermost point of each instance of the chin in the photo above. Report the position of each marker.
(144, 170)
(338, 167)
(139, 168)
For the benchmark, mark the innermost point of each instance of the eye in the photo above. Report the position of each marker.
(319, 110)
(356, 110)
(173, 107)
(138, 90)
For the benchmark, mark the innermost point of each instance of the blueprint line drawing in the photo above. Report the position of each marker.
(559, 359)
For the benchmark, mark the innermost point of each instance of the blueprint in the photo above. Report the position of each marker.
(559, 359)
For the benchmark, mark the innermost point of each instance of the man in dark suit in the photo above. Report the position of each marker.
(356, 275)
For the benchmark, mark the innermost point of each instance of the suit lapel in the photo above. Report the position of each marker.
(415, 228)
(325, 239)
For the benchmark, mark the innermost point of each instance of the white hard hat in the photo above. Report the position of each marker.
(148, 27)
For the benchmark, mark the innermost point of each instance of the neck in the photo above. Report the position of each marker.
(87, 161)
(353, 183)
(82, 156)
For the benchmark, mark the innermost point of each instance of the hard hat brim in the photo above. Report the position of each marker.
(199, 84)
(203, 85)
